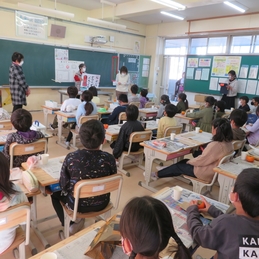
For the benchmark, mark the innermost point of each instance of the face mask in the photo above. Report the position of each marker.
(230, 77)
(21, 63)
(83, 69)
(123, 74)
(240, 103)
(252, 103)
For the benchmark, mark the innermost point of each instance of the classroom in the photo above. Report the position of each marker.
(171, 49)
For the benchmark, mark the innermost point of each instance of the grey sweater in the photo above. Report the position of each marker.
(233, 236)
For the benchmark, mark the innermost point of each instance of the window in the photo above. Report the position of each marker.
(217, 45)
(176, 47)
(241, 44)
(256, 46)
(199, 46)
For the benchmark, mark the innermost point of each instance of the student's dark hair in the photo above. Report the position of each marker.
(81, 65)
(132, 112)
(93, 90)
(72, 91)
(165, 99)
(21, 120)
(247, 187)
(223, 130)
(123, 98)
(211, 100)
(144, 93)
(239, 117)
(134, 89)
(147, 223)
(256, 98)
(124, 69)
(220, 105)
(245, 98)
(183, 97)
(6, 186)
(232, 73)
(170, 110)
(87, 96)
(17, 56)
(92, 134)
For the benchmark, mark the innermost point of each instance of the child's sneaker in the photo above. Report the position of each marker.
(52, 127)
(154, 177)
(67, 143)
(76, 227)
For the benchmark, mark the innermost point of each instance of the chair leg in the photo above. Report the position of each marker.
(74, 140)
(21, 251)
(197, 187)
(107, 214)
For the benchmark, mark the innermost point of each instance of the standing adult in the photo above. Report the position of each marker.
(78, 76)
(179, 86)
(18, 86)
(232, 87)
(122, 82)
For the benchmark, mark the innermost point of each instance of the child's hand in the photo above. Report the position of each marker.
(193, 202)
(207, 205)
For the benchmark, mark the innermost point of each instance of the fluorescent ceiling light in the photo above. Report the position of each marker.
(235, 6)
(47, 10)
(74, 46)
(172, 15)
(108, 3)
(107, 24)
(171, 4)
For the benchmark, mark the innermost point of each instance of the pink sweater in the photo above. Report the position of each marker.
(210, 157)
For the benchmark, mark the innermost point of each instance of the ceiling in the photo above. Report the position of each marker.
(196, 9)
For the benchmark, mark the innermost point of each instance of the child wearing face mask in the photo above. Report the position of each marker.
(231, 235)
(243, 100)
(254, 103)
(78, 76)
(164, 100)
(122, 82)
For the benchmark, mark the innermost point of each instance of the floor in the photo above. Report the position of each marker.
(130, 189)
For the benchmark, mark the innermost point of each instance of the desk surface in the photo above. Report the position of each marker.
(148, 110)
(66, 114)
(51, 108)
(180, 116)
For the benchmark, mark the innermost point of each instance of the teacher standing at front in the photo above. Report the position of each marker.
(122, 82)
(18, 86)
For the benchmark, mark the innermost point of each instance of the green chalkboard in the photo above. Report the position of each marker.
(39, 64)
(203, 86)
(144, 70)
(130, 61)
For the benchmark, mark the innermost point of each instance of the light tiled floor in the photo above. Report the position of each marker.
(130, 189)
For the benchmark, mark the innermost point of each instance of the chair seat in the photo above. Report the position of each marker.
(140, 151)
(195, 179)
(19, 238)
(87, 214)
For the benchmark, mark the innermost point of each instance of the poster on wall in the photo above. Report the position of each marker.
(204, 62)
(192, 62)
(223, 64)
(31, 25)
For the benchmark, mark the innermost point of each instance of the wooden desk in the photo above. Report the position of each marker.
(148, 112)
(3, 136)
(194, 106)
(181, 119)
(6, 125)
(227, 174)
(187, 140)
(46, 111)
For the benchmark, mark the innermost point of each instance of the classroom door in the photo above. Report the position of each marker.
(174, 66)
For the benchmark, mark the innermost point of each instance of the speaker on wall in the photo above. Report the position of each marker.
(57, 31)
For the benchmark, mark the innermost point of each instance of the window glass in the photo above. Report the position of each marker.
(199, 46)
(176, 47)
(241, 44)
(256, 47)
(217, 45)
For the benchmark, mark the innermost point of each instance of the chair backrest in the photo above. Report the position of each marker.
(135, 103)
(96, 187)
(149, 104)
(16, 149)
(173, 129)
(122, 117)
(83, 119)
(6, 125)
(17, 215)
(238, 145)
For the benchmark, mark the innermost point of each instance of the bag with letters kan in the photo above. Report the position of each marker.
(30, 181)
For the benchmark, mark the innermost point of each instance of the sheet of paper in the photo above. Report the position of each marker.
(192, 62)
(213, 83)
(53, 167)
(251, 86)
(198, 74)
(204, 62)
(189, 73)
(242, 85)
(243, 71)
(253, 72)
(205, 74)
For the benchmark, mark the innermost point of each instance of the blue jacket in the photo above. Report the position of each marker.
(114, 117)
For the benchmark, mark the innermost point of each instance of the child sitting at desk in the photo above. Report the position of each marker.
(220, 109)
(143, 98)
(232, 235)
(146, 226)
(134, 91)
(68, 104)
(132, 125)
(164, 100)
(182, 104)
(10, 195)
(22, 121)
(167, 120)
(253, 131)
(237, 119)
(202, 166)
(87, 163)
(243, 100)
(95, 99)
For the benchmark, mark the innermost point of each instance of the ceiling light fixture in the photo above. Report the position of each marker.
(107, 2)
(74, 46)
(107, 24)
(172, 15)
(47, 10)
(171, 4)
(235, 6)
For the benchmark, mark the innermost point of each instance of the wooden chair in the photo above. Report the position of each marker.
(75, 132)
(135, 103)
(36, 147)
(199, 184)
(149, 104)
(238, 146)
(135, 137)
(14, 216)
(6, 125)
(91, 188)
(122, 117)
(173, 129)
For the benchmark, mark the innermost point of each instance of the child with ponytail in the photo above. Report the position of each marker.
(146, 226)
(182, 104)
(164, 100)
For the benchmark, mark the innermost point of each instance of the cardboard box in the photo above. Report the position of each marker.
(200, 98)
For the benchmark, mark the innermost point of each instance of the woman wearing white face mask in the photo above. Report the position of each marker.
(232, 87)
(122, 82)
(78, 76)
(18, 86)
